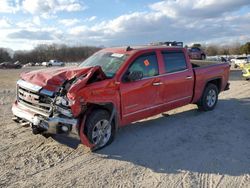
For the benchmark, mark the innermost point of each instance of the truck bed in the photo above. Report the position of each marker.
(204, 63)
(204, 71)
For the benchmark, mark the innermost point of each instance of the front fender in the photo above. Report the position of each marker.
(84, 139)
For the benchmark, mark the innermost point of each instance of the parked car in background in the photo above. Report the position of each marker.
(31, 64)
(9, 65)
(196, 53)
(246, 71)
(54, 63)
(217, 58)
(241, 61)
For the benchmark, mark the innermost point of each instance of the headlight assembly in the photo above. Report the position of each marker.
(62, 101)
(66, 112)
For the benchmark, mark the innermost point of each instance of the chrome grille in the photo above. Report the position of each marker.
(34, 100)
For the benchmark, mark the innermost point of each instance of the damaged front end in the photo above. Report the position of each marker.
(53, 112)
(45, 111)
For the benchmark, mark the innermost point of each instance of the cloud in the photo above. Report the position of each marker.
(197, 8)
(31, 35)
(90, 19)
(181, 20)
(9, 6)
(5, 23)
(47, 7)
(69, 22)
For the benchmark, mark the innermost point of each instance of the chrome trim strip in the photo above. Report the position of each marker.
(152, 107)
(165, 74)
(33, 109)
(28, 85)
(22, 114)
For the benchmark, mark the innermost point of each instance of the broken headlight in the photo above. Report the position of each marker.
(63, 106)
(62, 101)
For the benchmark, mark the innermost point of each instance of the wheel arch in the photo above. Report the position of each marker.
(215, 81)
(108, 106)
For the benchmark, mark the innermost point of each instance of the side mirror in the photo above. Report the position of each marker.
(135, 75)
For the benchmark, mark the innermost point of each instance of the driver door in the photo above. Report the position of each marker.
(140, 98)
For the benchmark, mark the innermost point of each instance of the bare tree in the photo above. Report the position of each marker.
(4, 55)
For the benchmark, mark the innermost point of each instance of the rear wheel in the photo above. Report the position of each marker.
(99, 130)
(209, 98)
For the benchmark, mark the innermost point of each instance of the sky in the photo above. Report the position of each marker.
(26, 23)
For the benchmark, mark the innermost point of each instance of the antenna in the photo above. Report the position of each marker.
(129, 48)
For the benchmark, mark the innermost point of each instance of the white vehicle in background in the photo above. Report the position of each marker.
(54, 63)
(44, 63)
(241, 61)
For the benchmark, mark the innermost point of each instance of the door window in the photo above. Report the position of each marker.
(147, 64)
(174, 61)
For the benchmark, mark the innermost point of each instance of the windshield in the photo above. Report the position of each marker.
(109, 62)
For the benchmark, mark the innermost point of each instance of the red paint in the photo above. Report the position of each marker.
(52, 78)
(132, 100)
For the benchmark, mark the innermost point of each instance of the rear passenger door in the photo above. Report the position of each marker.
(178, 80)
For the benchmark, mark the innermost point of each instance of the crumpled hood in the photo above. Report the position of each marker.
(52, 78)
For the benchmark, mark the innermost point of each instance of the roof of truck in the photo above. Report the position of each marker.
(133, 49)
(153, 45)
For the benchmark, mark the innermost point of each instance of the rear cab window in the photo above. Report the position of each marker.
(174, 61)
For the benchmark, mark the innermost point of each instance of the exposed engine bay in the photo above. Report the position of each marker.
(49, 111)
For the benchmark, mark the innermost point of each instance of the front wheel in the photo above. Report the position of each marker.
(99, 130)
(209, 98)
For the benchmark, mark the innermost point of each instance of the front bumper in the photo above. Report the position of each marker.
(53, 125)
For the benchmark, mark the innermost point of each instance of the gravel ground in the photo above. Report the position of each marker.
(180, 148)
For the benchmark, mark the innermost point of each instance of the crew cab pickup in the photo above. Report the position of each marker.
(114, 87)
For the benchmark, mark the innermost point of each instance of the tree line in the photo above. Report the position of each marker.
(232, 49)
(44, 53)
(66, 53)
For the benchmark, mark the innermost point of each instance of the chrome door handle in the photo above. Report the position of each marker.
(189, 77)
(157, 83)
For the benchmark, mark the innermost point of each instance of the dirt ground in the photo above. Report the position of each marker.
(182, 148)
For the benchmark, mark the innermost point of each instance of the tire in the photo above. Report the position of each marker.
(203, 57)
(209, 98)
(235, 66)
(97, 134)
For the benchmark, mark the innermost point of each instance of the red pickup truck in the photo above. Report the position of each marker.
(114, 87)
